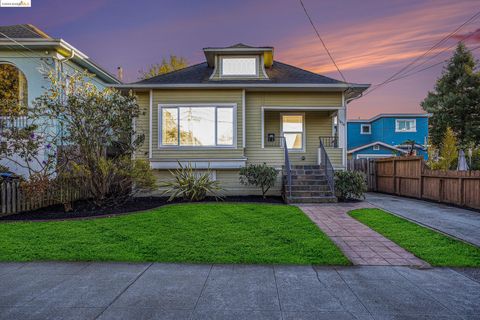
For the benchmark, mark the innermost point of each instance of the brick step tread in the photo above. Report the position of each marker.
(308, 182)
(309, 177)
(311, 199)
(306, 166)
(308, 172)
(311, 194)
(315, 187)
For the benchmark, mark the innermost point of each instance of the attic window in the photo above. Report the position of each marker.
(239, 66)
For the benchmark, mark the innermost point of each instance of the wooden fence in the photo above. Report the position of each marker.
(408, 176)
(366, 166)
(13, 199)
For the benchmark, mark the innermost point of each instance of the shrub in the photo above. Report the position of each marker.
(350, 185)
(448, 155)
(191, 185)
(111, 182)
(475, 160)
(259, 175)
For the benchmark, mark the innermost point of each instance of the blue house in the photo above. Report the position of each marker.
(387, 135)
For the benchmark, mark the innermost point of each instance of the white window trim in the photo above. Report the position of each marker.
(414, 125)
(197, 105)
(232, 76)
(365, 125)
(376, 147)
(304, 130)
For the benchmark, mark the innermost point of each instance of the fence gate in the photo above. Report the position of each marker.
(366, 166)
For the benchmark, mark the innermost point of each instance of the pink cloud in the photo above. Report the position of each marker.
(386, 40)
(473, 36)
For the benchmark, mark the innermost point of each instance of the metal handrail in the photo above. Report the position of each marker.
(287, 166)
(327, 166)
(329, 141)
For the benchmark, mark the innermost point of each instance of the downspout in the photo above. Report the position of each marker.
(60, 76)
(345, 134)
(345, 104)
(150, 126)
(244, 138)
(72, 55)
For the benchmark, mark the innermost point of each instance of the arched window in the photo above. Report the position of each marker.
(13, 86)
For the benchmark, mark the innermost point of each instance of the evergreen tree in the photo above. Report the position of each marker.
(455, 101)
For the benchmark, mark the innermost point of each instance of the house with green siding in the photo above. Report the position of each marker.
(239, 107)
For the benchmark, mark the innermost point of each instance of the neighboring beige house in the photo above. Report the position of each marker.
(240, 107)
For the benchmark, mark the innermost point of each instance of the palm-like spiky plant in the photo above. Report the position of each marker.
(191, 185)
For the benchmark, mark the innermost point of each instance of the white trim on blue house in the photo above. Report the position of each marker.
(366, 125)
(383, 144)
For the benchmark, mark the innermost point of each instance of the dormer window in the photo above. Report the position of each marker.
(239, 66)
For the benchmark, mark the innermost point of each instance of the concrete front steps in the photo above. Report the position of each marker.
(309, 185)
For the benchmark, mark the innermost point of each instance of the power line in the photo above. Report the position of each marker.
(439, 53)
(323, 43)
(429, 67)
(424, 54)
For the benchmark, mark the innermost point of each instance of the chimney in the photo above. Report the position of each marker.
(120, 73)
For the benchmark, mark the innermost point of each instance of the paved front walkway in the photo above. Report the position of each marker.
(359, 243)
(178, 291)
(460, 223)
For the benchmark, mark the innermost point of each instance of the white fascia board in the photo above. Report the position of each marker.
(376, 143)
(200, 164)
(338, 87)
(56, 44)
(297, 108)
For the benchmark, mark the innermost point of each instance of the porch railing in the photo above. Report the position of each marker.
(288, 169)
(329, 141)
(327, 166)
(12, 122)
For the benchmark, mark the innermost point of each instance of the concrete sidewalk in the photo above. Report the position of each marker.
(179, 291)
(460, 223)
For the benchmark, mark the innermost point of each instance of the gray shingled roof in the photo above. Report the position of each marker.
(279, 72)
(22, 31)
(239, 46)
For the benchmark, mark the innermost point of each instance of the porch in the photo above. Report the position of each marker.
(303, 132)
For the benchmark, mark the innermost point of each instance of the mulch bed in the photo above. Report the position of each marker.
(84, 209)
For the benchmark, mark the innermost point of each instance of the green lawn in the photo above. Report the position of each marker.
(433, 247)
(199, 233)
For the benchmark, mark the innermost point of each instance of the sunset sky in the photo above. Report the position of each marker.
(370, 40)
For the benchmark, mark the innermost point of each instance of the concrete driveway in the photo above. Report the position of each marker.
(178, 291)
(461, 223)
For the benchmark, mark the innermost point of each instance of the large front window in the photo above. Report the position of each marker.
(293, 130)
(197, 126)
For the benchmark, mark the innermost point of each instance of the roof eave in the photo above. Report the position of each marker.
(392, 115)
(64, 48)
(336, 87)
(386, 145)
(210, 52)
